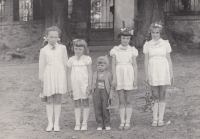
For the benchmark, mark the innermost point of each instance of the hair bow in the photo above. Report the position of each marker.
(131, 32)
(157, 25)
(123, 29)
(45, 39)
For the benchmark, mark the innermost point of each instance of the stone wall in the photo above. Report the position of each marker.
(20, 34)
(186, 29)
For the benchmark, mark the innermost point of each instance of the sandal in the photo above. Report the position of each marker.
(77, 127)
(121, 127)
(155, 123)
(127, 126)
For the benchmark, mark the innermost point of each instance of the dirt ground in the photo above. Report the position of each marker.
(23, 115)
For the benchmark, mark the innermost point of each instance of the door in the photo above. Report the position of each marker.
(101, 20)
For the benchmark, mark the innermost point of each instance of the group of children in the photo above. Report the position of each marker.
(60, 75)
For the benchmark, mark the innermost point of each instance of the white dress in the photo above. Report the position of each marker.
(52, 69)
(79, 75)
(158, 67)
(124, 67)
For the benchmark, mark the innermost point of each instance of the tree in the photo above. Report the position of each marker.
(153, 10)
(56, 13)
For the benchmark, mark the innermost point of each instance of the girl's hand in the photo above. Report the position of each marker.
(172, 80)
(88, 90)
(134, 84)
(114, 83)
(147, 80)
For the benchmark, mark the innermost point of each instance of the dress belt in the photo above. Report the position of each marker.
(54, 63)
(124, 64)
(157, 57)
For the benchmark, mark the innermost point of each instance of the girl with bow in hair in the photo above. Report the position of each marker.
(124, 70)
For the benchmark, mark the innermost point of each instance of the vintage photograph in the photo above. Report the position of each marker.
(100, 69)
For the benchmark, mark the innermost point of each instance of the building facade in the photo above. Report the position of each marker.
(97, 21)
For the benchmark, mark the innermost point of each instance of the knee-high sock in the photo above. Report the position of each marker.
(122, 114)
(49, 109)
(155, 111)
(86, 112)
(57, 110)
(77, 112)
(128, 115)
(161, 108)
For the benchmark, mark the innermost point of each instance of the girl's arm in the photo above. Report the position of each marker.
(114, 71)
(42, 65)
(69, 79)
(90, 76)
(146, 64)
(135, 67)
(170, 67)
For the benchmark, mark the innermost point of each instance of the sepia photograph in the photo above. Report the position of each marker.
(100, 69)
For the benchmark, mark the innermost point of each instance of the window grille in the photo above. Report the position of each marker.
(182, 7)
(70, 8)
(25, 10)
(102, 14)
(2, 8)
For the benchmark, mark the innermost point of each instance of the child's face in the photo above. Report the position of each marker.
(125, 40)
(155, 34)
(52, 37)
(101, 65)
(79, 51)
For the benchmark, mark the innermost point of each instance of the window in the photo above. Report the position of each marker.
(70, 8)
(102, 14)
(182, 7)
(2, 8)
(27, 10)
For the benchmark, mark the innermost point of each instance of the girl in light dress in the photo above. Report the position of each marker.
(158, 69)
(124, 70)
(80, 81)
(52, 72)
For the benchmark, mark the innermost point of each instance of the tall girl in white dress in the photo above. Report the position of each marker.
(158, 69)
(52, 72)
(80, 81)
(124, 69)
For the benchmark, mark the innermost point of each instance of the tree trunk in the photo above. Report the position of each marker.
(56, 14)
(153, 10)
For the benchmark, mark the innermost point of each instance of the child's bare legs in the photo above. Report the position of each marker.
(77, 112)
(155, 95)
(53, 104)
(86, 111)
(128, 98)
(121, 96)
(57, 110)
(161, 105)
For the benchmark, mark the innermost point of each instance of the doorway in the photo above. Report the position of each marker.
(101, 26)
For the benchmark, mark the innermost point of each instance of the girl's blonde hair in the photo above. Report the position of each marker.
(52, 28)
(81, 43)
(153, 26)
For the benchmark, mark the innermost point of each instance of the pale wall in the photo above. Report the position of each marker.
(124, 11)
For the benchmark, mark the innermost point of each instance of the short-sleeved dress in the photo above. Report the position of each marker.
(52, 69)
(124, 67)
(158, 67)
(79, 75)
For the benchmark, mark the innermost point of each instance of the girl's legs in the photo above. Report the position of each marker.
(86, 111)
(57, 110)
(121, 108)
(49, 109)
(128, 98)
(154, 90)
(162, 104)
(77, 112)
